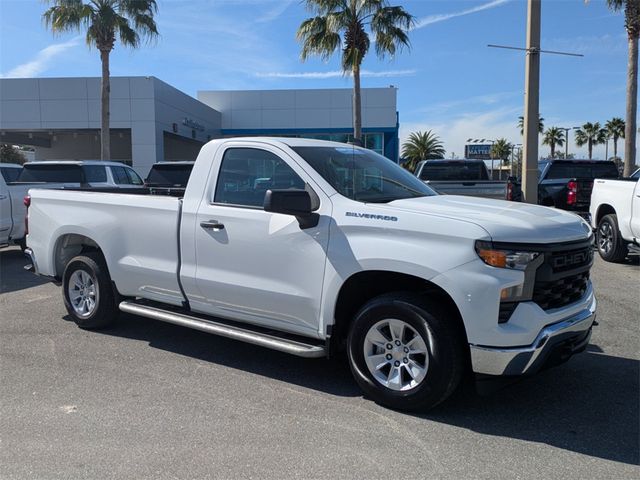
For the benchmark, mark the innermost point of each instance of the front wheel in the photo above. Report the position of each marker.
(611, 245)
(88, 293)
(405, 351)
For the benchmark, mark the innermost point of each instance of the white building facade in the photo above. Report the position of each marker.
(152, 121)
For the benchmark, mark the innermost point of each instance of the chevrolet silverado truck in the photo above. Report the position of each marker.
(615, 216)
(460, 177)
(312, 248)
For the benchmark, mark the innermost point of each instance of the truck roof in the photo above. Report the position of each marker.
(289, 141)
(76, 162)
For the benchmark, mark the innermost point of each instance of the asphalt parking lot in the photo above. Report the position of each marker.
(151, 400)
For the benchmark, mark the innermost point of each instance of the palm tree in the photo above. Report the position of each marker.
(421, 146)
(104, 20)
(632, 24)
(521, 124)
(590, 134)
(501, 149)
(615, 130)
(346, 25)
(552, 137)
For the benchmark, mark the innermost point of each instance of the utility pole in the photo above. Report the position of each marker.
(566, 142)
(531, 104)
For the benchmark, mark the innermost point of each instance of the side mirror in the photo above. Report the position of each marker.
(292, 202)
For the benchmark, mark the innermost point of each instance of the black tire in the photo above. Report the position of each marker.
(611, 246)
(105, 309)
(440, 332)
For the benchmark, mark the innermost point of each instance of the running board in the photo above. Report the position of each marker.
(249, 336)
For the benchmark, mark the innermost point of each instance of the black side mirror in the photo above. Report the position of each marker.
(292, 202)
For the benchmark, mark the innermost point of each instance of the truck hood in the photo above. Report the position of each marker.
(503, 221)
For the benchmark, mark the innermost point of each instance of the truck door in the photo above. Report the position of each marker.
(253, 265)
(6, 221)
(635, 208)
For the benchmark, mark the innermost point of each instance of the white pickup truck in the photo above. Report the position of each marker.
(310, 247)
(14, 188)
(615, 215)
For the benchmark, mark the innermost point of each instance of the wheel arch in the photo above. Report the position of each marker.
(363, 286)
(604, 209)
(70, 245)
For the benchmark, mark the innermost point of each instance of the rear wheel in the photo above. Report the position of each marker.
(87, 291)
(611, 245)
(405, 351)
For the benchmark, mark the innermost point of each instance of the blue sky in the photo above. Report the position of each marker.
(449, 81)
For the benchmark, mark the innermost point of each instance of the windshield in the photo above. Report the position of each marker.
(455, 170)
(363, 175)
(169, 175)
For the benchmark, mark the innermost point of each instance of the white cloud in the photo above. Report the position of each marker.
(42, 60)
(442, 17)
(275, 12)
(336, 73)
(455, 131)
(589, 44)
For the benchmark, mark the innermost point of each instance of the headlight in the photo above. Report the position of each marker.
(504, 257)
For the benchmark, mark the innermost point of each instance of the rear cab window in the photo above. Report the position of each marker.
(562, 170)
(51, 173)
(169, 175)
(455, 170)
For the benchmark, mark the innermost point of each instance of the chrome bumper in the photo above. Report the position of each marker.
(570, 335)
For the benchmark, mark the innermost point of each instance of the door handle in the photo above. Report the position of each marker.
(2, 197)
(212, 225)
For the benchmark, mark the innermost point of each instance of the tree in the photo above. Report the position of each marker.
(10, 154)
(615, 130)
(590, 134)
(421, 146)
(521, 124)
(346, 25)
(632, 24)
(501, 149)
(104, 20)
(552, 137)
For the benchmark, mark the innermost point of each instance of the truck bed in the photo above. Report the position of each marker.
(137, 231)
(477, 188)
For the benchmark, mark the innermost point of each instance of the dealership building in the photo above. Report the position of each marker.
(152, 121)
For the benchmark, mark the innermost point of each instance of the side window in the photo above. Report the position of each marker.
(95, 173)
(134, 178)
(120, 175)
(247, 173)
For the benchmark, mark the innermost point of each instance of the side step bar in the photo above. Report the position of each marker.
(249, 336)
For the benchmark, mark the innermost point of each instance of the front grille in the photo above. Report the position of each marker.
(571, 259)
(561, 292)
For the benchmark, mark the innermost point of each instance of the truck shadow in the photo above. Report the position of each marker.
(13, 276)
(588, 406)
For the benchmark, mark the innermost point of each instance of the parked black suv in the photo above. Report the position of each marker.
(566, 184)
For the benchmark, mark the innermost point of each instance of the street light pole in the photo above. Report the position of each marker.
(531, 103)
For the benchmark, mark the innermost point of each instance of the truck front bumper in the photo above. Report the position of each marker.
(554, 344)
